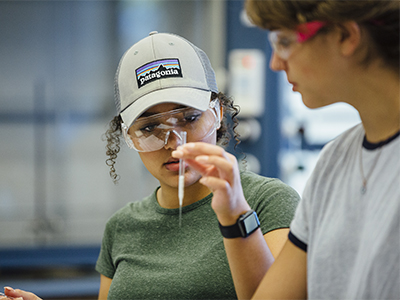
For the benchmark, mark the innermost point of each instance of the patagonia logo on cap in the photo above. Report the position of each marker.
(158, 69)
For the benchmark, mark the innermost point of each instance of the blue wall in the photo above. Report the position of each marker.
(239, 36)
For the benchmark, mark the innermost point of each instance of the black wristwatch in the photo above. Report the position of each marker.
(244, 226)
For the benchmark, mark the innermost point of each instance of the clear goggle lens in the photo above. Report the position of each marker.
(152, 133)
(283, 42)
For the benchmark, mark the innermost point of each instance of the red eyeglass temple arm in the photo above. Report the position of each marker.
(307, 30)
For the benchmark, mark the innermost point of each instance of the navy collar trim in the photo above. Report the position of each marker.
(372, 146)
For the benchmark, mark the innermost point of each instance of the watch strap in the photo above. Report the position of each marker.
(240, 229)
(230, 232)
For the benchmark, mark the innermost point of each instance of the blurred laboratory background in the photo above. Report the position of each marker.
(57, 62)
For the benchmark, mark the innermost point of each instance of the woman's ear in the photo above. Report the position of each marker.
(351, 37)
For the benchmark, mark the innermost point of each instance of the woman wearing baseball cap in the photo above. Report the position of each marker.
(165, 86)
(155, 248)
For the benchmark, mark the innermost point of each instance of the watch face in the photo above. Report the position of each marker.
(251, 223)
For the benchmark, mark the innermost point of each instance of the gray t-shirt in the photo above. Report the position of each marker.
(352, 239)
(149, 256)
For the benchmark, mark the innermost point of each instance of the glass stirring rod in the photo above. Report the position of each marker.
(181, 184)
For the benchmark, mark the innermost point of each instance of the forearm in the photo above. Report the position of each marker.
(105, 284)
(287, 277)
(249, 259)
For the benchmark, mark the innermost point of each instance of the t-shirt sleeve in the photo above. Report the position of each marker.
(299, 227)
(274, 201)
(105, 263)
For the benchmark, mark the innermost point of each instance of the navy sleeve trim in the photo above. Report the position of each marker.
(297, 242)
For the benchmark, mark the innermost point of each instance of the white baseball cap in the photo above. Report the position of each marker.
(162, 68)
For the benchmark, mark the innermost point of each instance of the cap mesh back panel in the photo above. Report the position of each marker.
(209, 73)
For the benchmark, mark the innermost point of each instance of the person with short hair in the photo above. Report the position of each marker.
(344, 239)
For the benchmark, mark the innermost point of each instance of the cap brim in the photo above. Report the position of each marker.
(192, 97)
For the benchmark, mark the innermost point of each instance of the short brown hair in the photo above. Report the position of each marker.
(380, 19)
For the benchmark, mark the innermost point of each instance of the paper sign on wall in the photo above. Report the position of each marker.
(247, 81)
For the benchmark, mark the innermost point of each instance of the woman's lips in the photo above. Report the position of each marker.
(172, 165)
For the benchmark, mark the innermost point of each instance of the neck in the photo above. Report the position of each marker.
(378, 102)
(167, 196)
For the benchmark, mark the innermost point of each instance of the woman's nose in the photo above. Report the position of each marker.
(276, 63)
(172, 140)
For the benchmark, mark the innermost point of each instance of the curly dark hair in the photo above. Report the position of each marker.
(225, 133)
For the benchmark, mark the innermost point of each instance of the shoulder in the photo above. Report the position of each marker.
(130, 210)
(255, 182)
(335, 161)
(342, 142)
(266, 189)
(249, 178)
(274, 201)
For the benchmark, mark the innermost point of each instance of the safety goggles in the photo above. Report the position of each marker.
(285, 41)
(152, 133)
